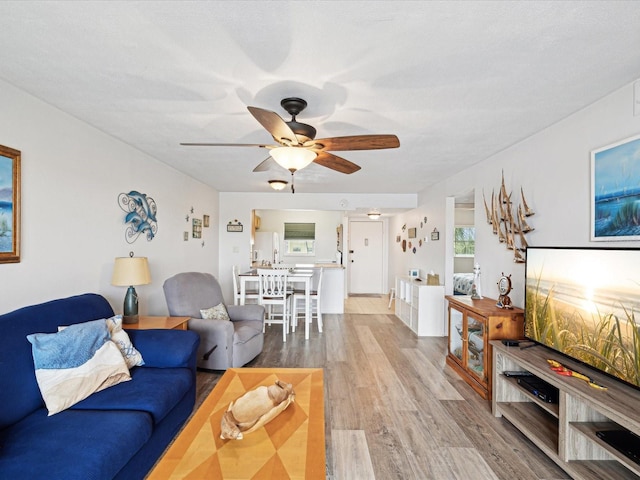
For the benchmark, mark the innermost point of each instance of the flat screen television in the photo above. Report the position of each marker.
(585, 304)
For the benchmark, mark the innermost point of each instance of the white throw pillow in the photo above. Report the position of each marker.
(219, 312)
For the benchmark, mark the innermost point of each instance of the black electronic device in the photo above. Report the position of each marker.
(541, 389)
(624, 441)
(517, 373)
(511, 343)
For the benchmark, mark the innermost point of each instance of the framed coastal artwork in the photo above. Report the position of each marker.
(615, 191)
(9, 205)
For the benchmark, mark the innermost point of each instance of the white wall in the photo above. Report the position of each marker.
(326, 223)
(72, 226)
(553, 168)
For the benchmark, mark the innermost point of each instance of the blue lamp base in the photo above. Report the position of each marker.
(130, 306)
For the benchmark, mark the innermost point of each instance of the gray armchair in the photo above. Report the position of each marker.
(223, 344)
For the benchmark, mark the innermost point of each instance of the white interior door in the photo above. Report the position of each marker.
(365, 257)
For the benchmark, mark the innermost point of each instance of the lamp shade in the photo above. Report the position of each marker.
(293, 158)
(128, 271)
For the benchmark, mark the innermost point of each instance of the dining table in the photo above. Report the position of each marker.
(300, 276)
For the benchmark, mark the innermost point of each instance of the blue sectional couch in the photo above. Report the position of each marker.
(118, 432)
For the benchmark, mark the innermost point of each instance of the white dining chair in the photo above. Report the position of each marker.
(299, 299)
(249, 294)
(273, 292)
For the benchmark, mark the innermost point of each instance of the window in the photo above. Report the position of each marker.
(300, 239)
(464, 243)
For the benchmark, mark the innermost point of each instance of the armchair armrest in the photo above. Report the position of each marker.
(245, 312)
(166, 348)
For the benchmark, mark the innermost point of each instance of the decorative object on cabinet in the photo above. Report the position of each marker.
(141, 215)
(476, 290)
(472, 324)
(435, 234)
(9, 205)
(234, 226)
(420, 307)
(504, 287)
(568, 435)
(509, 222)
(433, 278)
(414, 273)
(614, 195)
(128, 272)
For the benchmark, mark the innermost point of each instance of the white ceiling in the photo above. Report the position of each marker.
(455, 81)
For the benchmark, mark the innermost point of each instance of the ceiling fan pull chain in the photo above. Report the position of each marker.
(293, 190)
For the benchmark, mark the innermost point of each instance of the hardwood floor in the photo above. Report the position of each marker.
(393, 409)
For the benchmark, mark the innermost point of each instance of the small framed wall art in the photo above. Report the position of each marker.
(234, 226)
(9, 205)
(435, 235)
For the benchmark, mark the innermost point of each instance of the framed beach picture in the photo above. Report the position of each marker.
(615, 191)
(9, 205)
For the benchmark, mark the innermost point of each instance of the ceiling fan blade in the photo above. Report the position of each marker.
(355, 142)
(266, 164)
(336, 163)
(276, 126)
(260, 145)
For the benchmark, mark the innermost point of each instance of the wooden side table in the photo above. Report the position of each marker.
(146, 322)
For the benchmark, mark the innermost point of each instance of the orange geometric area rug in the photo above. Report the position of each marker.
(291, 446)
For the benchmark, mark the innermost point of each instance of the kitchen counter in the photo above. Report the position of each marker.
(333, 286)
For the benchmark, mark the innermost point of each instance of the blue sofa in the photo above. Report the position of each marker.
(118, 432)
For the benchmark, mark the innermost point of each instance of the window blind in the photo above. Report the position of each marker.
(299, 231)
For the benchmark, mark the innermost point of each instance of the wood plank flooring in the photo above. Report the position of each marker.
(393, 409)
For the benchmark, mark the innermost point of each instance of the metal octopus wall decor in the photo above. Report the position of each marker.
(141, 215)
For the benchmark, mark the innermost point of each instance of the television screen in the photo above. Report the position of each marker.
(583, 302)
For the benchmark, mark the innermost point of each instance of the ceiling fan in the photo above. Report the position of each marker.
(296, 144)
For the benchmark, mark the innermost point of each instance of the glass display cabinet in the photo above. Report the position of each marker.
(472, 324)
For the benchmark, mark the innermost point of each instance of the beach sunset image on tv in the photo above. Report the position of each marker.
(585, 304)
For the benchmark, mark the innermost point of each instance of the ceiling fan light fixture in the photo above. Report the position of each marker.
(278, 184)
(293, 158)
(374, 215)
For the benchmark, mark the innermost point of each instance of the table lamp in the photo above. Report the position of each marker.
(130, 271)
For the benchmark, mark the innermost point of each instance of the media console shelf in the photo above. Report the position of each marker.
(566, 431)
